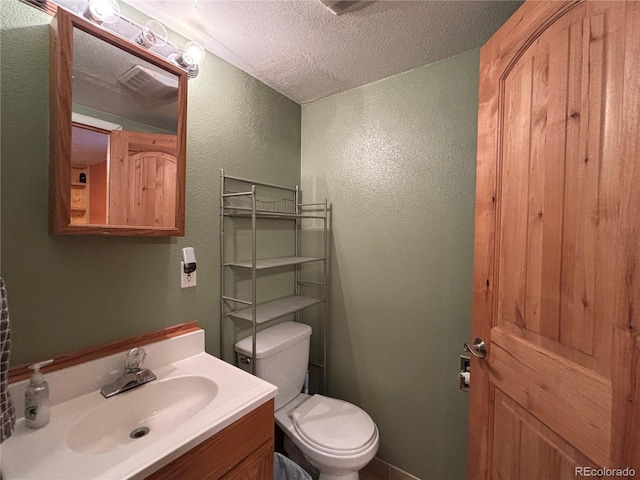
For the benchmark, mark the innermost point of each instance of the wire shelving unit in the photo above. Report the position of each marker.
(239, 199)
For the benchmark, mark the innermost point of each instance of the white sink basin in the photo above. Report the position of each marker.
(158, 406)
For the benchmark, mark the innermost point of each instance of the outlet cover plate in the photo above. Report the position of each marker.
(187, 279)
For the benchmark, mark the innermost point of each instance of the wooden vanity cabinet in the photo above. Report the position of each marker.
(242, 451)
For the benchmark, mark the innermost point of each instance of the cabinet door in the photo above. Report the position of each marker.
(244, 448)
(556, 293)
(257, 466)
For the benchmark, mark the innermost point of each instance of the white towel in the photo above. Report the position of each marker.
(7, 411)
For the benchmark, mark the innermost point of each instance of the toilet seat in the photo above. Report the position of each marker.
(334, 426)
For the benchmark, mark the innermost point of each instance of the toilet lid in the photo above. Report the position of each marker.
(333, 424)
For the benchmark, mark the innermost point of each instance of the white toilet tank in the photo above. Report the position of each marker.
(282, 357)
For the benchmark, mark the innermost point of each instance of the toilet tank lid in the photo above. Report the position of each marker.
(274, 339)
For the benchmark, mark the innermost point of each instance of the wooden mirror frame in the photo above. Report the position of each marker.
(60, 102)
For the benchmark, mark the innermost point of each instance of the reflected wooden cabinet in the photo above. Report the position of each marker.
(80, 193)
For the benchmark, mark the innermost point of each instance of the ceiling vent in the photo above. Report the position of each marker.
(149, 83)
(338, 7)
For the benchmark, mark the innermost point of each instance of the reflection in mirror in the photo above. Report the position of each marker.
(122, 177)
(125, 159)
(113, 85)
(89, 159)
(125, 174)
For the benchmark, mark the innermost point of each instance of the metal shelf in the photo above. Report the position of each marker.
(275, 309)
(274, 262)
(285, 204)
(269, 214)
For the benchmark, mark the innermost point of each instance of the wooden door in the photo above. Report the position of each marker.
(556, 292)
(142, 179)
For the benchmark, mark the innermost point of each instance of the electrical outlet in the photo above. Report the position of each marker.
(187, 279)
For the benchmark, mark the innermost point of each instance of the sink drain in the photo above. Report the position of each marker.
(139, 432)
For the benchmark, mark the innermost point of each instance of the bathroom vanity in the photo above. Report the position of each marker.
(202, 419)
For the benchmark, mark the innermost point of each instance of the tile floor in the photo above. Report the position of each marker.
(379, 470)
(368, 476)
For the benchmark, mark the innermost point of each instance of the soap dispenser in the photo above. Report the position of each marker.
(37, 407)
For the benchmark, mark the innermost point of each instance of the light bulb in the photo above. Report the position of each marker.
(193, 53)
(153, 34)
(103, 11)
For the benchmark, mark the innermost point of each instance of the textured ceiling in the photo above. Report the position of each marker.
(305, 52)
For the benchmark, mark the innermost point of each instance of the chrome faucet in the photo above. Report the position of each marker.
(133, 375)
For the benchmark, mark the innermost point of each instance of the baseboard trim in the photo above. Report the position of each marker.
(385, 471)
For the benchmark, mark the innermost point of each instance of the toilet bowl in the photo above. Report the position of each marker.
(336, 437)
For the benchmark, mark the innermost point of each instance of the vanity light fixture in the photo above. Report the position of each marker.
(192, 56)
(153, 34)
(103, 11)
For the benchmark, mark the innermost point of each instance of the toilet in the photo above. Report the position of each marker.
(334, 436)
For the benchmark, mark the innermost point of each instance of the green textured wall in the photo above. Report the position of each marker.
(397, 160)
(67, 293)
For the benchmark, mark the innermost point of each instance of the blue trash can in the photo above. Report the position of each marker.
(286, 469)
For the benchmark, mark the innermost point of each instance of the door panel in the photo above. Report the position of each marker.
(556, 290)
(549, 186)
(142, 179)
(568, 398)
(525, 449)
(152, 189)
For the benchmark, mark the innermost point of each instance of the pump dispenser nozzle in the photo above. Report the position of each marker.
(37, 378)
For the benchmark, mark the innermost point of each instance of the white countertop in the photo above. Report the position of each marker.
(44, 454)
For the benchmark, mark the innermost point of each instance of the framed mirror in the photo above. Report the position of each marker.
(118, 134)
